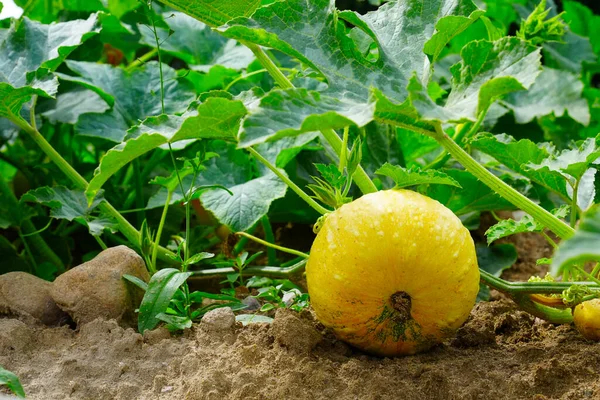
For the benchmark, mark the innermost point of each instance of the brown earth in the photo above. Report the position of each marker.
(500, 353)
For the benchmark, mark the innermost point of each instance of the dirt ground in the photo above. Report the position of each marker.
(500, 353)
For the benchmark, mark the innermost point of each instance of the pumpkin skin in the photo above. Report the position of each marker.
(587, 319)
(393, 273)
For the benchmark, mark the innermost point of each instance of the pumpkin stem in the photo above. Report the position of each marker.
(402, 303)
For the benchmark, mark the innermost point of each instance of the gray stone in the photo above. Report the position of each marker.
(96, 289)
(28, 297)
(218, 320)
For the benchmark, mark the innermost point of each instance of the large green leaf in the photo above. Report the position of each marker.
(251, 196)
(134, 96)
(70, 105)
(196, 43)
(72, 205)
(48, 11)
(316, 33)
(214, 12)
(216, 118)
(64, 203)
(571, 162)
(554, 91)
(582, 21)
(30, 46)
(516, 155)
(161, 289)
(581, 247)
(488, 71)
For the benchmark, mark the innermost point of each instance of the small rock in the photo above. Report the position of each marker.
(252, 303)
(293, 332)
(220, 319)
(23, 294)
(96, 289)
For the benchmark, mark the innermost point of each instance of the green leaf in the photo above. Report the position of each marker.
(471, 195)
(119, 8)
(516, 155)
(292, 111)
(12, 382)
(570, 55)
(488, 71)
(554, 91)
(246, 319)
(30, 46)
(214, 12)
(64, 203)
(250, 201)
(494, 259)
(236, 171)
(571, 162)
(215, 118)
(136, 281)
(508, 227)
(175, 322)
(196, 258)
(49, 11)
(70, 105)
(195, 43)
(133, 96)
(315, 32)
(414, 176)
(582, 21)
(196, 297)
(582, 246)
(161, 289)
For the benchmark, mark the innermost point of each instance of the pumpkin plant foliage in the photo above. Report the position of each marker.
(244, 105)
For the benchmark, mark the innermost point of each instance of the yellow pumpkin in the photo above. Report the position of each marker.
(393, 273)
(587, 319)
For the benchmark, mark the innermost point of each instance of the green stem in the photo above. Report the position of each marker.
(161, 226)
(574, 205)
(549, 240)
(344, 150)
(80, 183)
(360, 177)
(32, 112)
(309, 200)
(464, 132)
(103, 245)
(561, 229)
(530, 287)
(596, 269)
(241, 244)
(272, 245)
(249, 74)
(269, 237)
(28, 251)
(139, 191)
(160, 70)
(273, 272)
(141, 60)
(591, 277)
